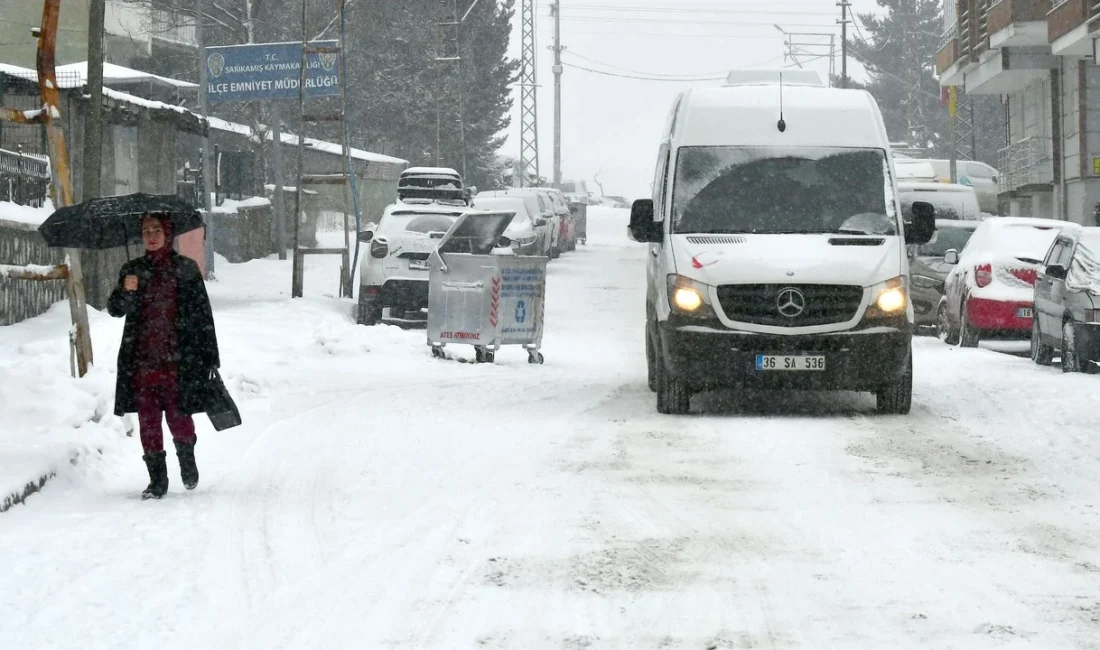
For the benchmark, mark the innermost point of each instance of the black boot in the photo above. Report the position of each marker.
(189, 471)
(158, 475)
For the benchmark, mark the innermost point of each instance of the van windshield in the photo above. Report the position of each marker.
(779, 190)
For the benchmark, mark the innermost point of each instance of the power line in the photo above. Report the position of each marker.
(646, 76)
(690, 10)
(639, 77)
(672, 21)
(641, 72)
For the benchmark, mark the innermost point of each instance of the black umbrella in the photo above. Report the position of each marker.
(113, 221)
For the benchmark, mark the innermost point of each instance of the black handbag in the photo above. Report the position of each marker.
(220, 407)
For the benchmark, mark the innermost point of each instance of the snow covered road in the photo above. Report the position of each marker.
(377, 498)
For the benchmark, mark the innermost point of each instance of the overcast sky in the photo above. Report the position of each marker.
(611, 124)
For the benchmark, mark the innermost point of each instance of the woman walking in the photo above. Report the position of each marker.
(169, 350)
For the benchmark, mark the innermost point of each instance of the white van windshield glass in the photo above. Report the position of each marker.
(782, 190)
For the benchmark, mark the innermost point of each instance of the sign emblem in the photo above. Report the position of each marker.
(791, 302)
(215, 63)
(521, 311)
(328, 60)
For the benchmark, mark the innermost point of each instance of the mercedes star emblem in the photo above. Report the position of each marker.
(791, 302)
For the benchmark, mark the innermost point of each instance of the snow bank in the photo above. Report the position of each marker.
(50, 419)
(25, 214)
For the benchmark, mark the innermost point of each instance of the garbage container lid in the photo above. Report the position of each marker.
(476, 233)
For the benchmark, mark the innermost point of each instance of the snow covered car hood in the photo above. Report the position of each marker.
(769, 259)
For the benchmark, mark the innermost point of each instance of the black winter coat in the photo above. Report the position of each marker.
(196, 340)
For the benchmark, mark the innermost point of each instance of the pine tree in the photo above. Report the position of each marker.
(898, 50)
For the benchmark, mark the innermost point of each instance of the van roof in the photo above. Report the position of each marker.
(748, 116)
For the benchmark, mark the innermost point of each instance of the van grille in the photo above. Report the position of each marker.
(715, 239)
(822, 304)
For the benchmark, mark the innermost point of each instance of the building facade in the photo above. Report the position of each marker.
(1039, 56)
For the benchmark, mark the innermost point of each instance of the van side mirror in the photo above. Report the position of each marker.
(1057, 271)
(923, 225)
(951, 257)
(642, 226)
(366, 236)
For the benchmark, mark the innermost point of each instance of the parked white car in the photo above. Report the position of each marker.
(393, 274)
(538, 204)
(524, 231)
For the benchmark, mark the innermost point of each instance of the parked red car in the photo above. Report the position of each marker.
(990, 290)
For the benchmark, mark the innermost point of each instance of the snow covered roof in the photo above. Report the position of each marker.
(75, 75)
(319, 145)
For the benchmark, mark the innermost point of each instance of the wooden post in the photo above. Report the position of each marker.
(59, 161)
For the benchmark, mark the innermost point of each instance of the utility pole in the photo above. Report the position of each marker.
(528, 103)
(555, 10)
(277, 163)
(93, 133)
(844, 4)
(206, 164)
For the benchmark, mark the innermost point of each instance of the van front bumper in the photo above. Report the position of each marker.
(709, 356)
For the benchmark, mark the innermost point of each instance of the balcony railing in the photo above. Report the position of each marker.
(1020, 164)
(1067, 15)
(1009, 12)
(171, 26)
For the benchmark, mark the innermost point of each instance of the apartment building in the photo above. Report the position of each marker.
(1039, 56)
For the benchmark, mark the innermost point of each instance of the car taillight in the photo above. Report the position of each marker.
(379, 249)
(1027, 275)
(983, 275)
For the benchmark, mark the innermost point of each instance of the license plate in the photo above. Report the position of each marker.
(798, 362)
(418, 265)
(1025, 312)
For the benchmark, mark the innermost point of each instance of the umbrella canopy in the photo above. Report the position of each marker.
(113, 221)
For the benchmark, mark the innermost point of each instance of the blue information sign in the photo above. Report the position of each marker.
(266, 71)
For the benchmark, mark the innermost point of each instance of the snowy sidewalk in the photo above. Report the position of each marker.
(50, 420)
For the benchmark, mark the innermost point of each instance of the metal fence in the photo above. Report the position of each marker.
(24, 178)
(1020, 164)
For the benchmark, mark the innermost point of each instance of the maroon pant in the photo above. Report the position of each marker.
(157, 395)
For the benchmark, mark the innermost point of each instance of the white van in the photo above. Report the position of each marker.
(951, 200)
(777, 246)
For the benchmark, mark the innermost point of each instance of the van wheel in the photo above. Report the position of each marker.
(555, 252)
(673, 395)
(650, 358)
(897, 398)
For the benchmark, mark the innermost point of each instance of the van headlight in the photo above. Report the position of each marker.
(689, 297)
(888, 299)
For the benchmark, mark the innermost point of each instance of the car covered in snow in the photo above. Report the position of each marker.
(776, 244)
(526, 232)
(1067, 303)
(538, 204)
(440, 184)
(393, 274)
(928, 271)
(990, 290)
